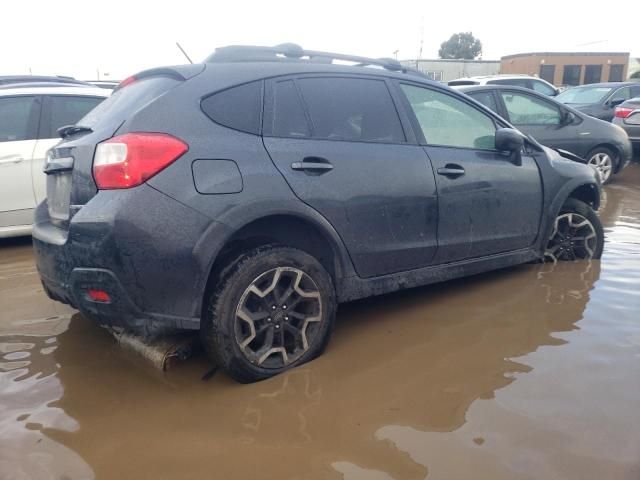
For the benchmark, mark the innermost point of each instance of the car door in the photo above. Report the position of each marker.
(488, 203)
(543, 118)
(19, 117)
(340, 144)
(57, 111)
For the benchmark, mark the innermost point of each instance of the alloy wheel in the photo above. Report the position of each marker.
(573, 237)
(603, 163)
(278, 317)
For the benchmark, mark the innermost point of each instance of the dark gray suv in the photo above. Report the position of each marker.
(247, 196)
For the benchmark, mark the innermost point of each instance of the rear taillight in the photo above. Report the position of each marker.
(128, 160)
(623, 112)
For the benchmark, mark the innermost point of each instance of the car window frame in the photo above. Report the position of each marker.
(406, 105)
(35, 117)
(269, 98)
(540, 96)
(45, 116)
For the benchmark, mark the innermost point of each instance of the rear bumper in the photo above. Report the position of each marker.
(146, 263)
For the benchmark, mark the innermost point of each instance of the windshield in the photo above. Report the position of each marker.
(584, 95)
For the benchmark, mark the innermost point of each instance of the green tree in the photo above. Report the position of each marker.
(461, 45)
(635, 74)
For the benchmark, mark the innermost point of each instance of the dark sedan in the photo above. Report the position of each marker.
(627, 116)
(604, 146)
(599, 99)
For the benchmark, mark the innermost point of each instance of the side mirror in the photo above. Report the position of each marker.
(568, 117)
(509, 140)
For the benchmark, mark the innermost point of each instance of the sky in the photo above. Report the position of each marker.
(116, 38)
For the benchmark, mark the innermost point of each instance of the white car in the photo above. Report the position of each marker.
(525, 81)
(29, 119)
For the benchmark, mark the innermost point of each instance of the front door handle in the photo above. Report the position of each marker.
(313, 165)
(451, 170)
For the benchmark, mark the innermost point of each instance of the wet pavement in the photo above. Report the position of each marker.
(526, 373)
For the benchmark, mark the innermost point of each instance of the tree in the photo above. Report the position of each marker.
(461, 45)
(635, 74)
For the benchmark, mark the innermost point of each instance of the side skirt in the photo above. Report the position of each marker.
(353, 288)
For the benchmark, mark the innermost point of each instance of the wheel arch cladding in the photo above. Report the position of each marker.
(587, 193)
(285, 230)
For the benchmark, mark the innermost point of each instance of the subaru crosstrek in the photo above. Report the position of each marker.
(245, 197)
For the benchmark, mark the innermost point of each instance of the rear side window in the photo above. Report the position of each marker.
(66, 110)
(126, 101)
(351, 109)
(18, 118)
(289, 119)
(485, 98)
(239, 107)
(516, 82)
(543, 88)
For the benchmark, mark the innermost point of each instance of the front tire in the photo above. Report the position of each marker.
(273, 309)
(577, 234)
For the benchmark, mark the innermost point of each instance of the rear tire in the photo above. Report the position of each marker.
(604, 161)
(577, 234)
(272, 309)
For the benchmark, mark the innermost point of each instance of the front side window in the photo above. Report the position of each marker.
(16, 119)
(448, 121)
(525, 109)
(584, 95)
(352, 109)
(67, 110)
(621, 94)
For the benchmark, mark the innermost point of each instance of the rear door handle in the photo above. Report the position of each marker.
(451, 170)
(312, 164)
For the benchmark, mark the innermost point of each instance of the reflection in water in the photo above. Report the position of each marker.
(530, 372)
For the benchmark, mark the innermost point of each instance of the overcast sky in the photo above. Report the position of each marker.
(118, 37)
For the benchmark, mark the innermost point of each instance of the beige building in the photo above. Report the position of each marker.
(566, 68)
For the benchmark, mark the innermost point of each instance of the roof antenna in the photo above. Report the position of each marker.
(183, 52)
(421, 41)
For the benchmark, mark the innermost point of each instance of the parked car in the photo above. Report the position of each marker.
(29, 119)
(525, 81)
(599, 99)
(247, 196)
(627, 116)
(604, 146)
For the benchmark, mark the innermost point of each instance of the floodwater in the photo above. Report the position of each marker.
(527, 373)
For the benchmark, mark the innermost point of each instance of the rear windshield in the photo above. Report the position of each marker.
(584, 95)
(126, 101)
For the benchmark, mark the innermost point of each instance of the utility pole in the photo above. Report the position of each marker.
(421, 41)
(395, 52)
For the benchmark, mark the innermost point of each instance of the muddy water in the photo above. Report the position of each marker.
(527, 373)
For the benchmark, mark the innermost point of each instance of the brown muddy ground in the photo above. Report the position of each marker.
(526, 373)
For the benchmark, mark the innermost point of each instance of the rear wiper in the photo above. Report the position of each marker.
(68, 130)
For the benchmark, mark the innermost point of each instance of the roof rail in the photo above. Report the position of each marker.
(293, 52)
